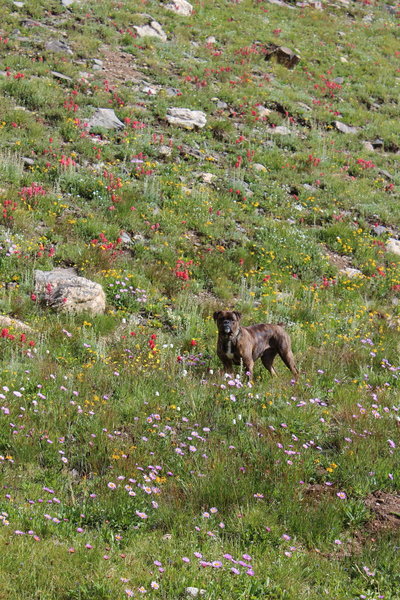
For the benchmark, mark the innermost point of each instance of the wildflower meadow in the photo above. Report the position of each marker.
(169, 159)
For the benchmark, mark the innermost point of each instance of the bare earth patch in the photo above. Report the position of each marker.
(386, 509)
(119, 67)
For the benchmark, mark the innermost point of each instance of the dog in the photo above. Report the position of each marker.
(238, 345)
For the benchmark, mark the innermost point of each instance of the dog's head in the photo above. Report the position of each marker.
(228, 322)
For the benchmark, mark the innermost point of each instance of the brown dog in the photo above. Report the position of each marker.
(243, 345)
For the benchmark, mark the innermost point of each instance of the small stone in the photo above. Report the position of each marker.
(6, 321)
(207, 177)
(343, 128)
(180, 7)
(67, 3)
(350, 272)
(194, 592)
(263, 111)
(211, 40)
(368, 146)
(98, 62)
(58, 75)
(259, 168)
(305, 106)
(152, 29)
(386, 174)
(125, 238)
(58, 46)
(378, 143)
(172, 91)
(150, 91)
(105, 118)
(27, 161)
(220, 104)
(379, 229)
(280, 130)
(284, 56)
(165, 150)
(184, 117)
(393, 245)
(19, 4)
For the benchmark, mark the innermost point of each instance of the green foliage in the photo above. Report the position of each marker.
(129, 462)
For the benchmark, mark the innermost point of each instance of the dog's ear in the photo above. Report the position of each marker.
(216, 315)
(237, 314)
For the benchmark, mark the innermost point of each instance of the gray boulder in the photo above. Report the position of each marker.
(6, 321)
(343, 128)
(152, 29)
(58, 46)
(393, 245)
(65, 291)
(180, 7)
(184, 117)
(106, 118)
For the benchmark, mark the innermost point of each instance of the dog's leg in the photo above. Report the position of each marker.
(268, 358)
(286, 355)
(228, 365)
(248, 364)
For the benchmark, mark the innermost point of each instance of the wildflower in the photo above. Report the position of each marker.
(341, 495)
(155, 585)
(246, 557)
(142, 515)
(186, 559)
(111, 485)
(217, 564)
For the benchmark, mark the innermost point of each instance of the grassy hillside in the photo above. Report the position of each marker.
(130, 463)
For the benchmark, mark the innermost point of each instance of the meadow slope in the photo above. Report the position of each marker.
(130, 464)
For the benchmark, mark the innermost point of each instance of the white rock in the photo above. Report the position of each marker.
(65, 291)
(263, 111)
(149, 90)
(393, 245)
(280, 130)
(180, 7)
(15, 323)
(106, 118)
(207, 177)
(351, 273)
(152, 29)
(343, 128)
(58, 46)
(165, 150)
(184, 117)
(194, 592)
(259, 167)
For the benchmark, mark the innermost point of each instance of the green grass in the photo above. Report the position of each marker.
(129, 461)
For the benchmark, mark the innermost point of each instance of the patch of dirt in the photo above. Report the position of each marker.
(119, 67)
(338, 260)
(386, 509)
